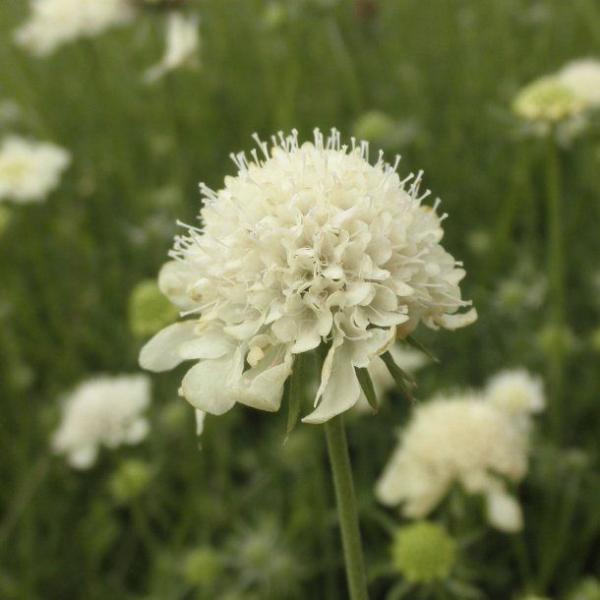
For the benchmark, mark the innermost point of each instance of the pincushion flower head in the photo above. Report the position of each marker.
(477, 440)
(564, 96)
(103, 411)
(55, 22)
(30, 170)
(307, 246)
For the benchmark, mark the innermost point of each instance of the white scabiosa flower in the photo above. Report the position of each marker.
(466, 440)
(104, 411)
(29, 170)
(516, 392)
(548, 100)
(56, 22)
(582, 77)
(182, 46)
(309, 246)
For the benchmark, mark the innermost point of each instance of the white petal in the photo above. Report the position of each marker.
(212, 344)
(173, 281)
(504, 512)
(378, 342)
(83, 458)
(137, 431)
(308, 338)
(200, 418)
(208, 385)
(457, 320)
(161, 353)
(262, 386)
(360, 292)
(246, 329)
(341, 391)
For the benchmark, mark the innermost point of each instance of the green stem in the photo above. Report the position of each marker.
(556, 278)
(346, 504)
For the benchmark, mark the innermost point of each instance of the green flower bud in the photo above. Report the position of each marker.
(423, 552)
(375, 126)
(274, 15)
(149, 310)
(552, 336)
(479, 241)
(588, 589)
(130, 480)
(202, 567)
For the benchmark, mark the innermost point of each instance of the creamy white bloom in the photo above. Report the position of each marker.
(516, 392)
(55, 22)
(29, 170)
(547, 100)
(309, 245)
(563, 99)
(182, 46)
(104, 411)
(582, 77)
(472, 440)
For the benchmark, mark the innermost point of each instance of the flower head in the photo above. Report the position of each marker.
(182, 46)
(516, 392)
(202, 567)
(104, 411)
(423, 552)
(130, 480)
(547, 100)
(311, 245)
(472, 440)
(582, 77)
(55, 22)
(29, 171)
(587, 589)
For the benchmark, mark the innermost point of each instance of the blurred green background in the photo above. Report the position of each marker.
(245, 515)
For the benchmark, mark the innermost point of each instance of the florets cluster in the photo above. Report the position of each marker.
(475, 440)
(309, 244)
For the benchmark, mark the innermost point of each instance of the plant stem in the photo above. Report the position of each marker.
(556, 278)
(346, 504)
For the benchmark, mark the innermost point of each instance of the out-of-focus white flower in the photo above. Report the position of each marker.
(104, 411)
(182, 46)
(561, 102)
(55, 22)
(472, 440)
(547, 100)
(516, 392)
(525, 289)
(310, 245)
(30, 170)
(582, 77)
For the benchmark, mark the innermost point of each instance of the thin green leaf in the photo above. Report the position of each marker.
(402, 379)
(297, 389)
(367, 387)
(418, 346)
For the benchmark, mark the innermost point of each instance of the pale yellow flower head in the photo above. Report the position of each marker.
(547, 100)
(309, 244)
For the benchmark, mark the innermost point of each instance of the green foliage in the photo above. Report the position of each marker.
(445, 74)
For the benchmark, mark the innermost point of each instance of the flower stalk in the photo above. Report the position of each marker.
(346, 504)
(556, 277)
